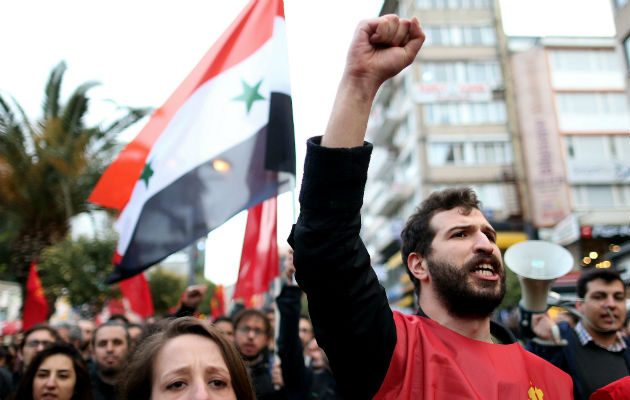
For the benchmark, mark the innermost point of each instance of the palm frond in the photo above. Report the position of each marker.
(76, 107)
(51, 103)
(133, 115)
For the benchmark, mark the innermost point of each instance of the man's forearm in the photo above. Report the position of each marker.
(348, 120)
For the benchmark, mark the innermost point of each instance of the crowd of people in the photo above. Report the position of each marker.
(176, 357)
(450, 349)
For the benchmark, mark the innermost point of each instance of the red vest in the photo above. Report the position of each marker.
(434, 362)
(617, 390)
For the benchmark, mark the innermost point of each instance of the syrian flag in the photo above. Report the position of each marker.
(222, 143)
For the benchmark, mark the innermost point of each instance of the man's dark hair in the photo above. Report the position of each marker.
(40, 327)
(608, 275)
(252, 312)
(223, 318)
(119, 317)
(111, 323)
(418, 234)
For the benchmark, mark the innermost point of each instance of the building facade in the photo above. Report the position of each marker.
(621, 11)
(574, 119)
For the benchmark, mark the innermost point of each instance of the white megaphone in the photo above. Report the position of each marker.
(538, 264)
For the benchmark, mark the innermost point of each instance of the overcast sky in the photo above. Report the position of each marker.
(140, 50)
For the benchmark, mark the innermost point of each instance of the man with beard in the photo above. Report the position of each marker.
(110, 350)
(252, 331)
(596, 354)
(449, 350)
(87, 333)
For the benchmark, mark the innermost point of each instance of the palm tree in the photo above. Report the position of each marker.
(49, 167)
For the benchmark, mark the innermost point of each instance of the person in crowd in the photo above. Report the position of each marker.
(36, 339)
(6, 379)
(596, 354)
(270, 313)
(191, 298)
(626, 325)
(87, 332)
(303, 379)
(110, 351)
(135, 334)
(189, 359)
(451, 349)
(225, 325)
(305, 330)
(252, 332)
(57, 372)
(69, 332)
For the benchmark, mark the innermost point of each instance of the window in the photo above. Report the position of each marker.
(602, 103)
(584, 60)
(601, 196)
(473, 113)
(452, 4)
(456, 35)
(458, 153)
(585, 147)
(490, 194)
(462, 72)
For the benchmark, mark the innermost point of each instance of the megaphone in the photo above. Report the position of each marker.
(538, 264)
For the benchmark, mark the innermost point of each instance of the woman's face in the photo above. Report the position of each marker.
(191, 367)
(55, 378)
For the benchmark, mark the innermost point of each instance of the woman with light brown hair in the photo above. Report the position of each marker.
(190, 357)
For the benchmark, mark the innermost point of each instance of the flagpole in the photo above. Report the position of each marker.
(191, 263)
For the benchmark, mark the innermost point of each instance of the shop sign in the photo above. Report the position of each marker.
(604, 231)
(432, 92)
(597, 171)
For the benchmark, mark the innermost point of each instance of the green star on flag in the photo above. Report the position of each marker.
(147, 172)
(250, 94)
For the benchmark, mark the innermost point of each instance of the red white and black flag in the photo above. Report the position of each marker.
(222, 143)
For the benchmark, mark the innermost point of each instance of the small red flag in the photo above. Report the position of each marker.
(35, 305)
(137, 292)
(259, 259)
(217, 303)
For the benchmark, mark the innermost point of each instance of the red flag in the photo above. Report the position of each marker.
(136, 291)
(35, 306)
(217, 303)
(259, 260)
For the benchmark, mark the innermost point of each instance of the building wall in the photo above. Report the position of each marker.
(622, 25)
(575, 121)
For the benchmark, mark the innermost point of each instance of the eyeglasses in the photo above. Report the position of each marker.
(246, 330)
(37, 343)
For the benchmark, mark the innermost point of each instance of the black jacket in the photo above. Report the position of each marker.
(349, 308)
(300, 381)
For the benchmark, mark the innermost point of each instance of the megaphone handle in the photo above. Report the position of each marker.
(526, 325)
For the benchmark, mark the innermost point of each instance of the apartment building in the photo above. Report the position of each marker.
(575, 128)
(621, 11)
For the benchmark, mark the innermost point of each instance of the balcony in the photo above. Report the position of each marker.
(390, 197)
